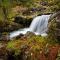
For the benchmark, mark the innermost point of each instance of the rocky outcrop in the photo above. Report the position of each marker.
(54, 25)
(23, 21)
(9, 26)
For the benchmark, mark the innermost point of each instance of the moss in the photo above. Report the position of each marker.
(52, 29)
(35, 43)
(30, 47)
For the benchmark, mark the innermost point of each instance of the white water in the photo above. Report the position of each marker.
(38, 26)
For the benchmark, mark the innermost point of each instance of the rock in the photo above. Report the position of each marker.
(23, 21)
(54, 27)
(4, 37)
(57, 27)
(29, 34)
(9, 26)
(14, 26)
(19, 36)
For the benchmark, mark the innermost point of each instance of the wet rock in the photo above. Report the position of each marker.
(23, 21)
(21, 35)
(29, 34)
(9, 26)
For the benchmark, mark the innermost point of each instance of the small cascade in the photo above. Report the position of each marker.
(38, 26)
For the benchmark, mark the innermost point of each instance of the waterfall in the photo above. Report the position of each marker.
(38, 26)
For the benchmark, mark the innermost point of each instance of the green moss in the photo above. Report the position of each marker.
(35, 43)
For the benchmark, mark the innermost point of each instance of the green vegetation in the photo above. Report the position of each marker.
(33, 46)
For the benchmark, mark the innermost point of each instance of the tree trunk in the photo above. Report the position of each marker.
(5, 13)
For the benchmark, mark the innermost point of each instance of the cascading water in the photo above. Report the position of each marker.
(38, 26)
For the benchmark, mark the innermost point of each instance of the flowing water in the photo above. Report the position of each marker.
(38, 26)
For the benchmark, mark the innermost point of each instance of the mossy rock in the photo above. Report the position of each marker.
(54, 29)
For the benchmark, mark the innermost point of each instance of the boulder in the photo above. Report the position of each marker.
(19, 36)
(29, 34)
(25, 22)
(54, 27)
